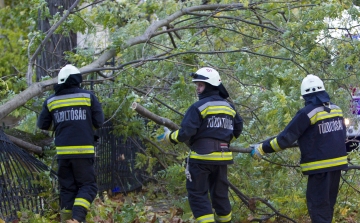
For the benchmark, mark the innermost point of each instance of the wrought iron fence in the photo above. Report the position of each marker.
(20, 176)
(20, 172)
(115, 162)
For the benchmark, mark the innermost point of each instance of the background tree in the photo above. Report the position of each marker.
(53, 52)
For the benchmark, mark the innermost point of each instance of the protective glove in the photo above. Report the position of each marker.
(257, 152)
(164, 136)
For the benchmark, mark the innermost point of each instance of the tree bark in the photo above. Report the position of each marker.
(25, 145)
(157, 119)
(24, 96)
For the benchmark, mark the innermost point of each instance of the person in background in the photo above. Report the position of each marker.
(320, 131)
(73, 113)
(209, 125)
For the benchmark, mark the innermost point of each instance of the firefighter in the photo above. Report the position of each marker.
(320, 131)
(209, 125)
(73, 113)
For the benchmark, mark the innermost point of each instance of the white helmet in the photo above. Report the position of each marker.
(311, 84)
(65, 72)
(208, 75)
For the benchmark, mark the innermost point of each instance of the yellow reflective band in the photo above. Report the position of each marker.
(225, 218)
(214, 110)
(82, 202)
(68, 150)
(324, 164)
(274, 145)
(69, 102)
(214, 103)
(209, 218)
(325, 115)
(320, 109)
(216, 156)
(67, 96)
(174, 136)
(261, 150)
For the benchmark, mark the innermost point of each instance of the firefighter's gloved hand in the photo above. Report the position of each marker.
(165, 136)
(257, 152)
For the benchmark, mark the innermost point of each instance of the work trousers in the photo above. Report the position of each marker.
(78, 186)
(321, 194)
(208, 178)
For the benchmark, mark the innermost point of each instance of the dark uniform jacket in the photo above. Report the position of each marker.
(73, 113)
(209, 125)
(321, 136)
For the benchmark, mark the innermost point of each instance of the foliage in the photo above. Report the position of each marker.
(175, 178)
(13, 40)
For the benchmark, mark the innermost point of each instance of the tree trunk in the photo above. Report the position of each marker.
(25, 145)
(52, 56)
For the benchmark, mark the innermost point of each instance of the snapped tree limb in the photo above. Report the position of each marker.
(171, 125)
(25, 145)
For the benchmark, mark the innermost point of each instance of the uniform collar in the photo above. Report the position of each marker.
(317, 98)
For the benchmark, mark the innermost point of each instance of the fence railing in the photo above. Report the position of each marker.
(20, 176)
(20, 172)
(115, 162)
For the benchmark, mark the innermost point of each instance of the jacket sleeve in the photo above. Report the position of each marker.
(289, 135)
(238, 125)
(45, 120)
(97, 113)
(189, 126)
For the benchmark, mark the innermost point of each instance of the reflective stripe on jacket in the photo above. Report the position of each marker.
(208, 124)
(73, 114)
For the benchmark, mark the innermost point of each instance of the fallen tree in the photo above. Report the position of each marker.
(25, 145)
